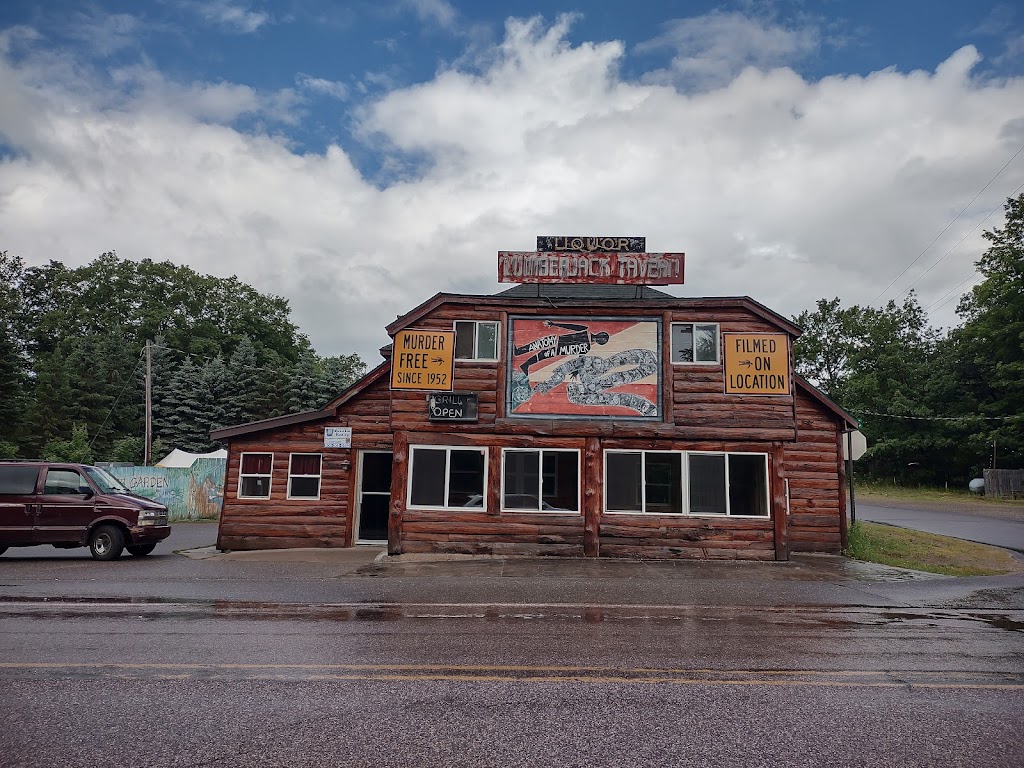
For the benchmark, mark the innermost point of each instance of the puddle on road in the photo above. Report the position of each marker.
(797, 617)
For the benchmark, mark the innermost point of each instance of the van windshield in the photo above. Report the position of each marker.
(106, 482)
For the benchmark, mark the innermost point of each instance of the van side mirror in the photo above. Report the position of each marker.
(86, 491)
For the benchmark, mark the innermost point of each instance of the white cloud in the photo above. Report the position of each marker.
(235, 17)
(711, 50)
(318, 85)
(776, 187)
(439, 12)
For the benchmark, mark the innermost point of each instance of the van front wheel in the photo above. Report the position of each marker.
(106, 542)
(140, 550)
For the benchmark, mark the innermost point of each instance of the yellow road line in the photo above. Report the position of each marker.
(546, 674)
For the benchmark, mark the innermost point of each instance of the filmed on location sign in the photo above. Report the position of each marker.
(423, 360)
(756, 363)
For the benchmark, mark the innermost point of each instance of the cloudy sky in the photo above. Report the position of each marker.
(357, 158)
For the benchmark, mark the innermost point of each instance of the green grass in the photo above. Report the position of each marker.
(927, 493)
(903, 548)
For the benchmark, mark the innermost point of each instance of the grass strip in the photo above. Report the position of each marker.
(886, 544)
(926, 493)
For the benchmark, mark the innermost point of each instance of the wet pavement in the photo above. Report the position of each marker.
(1005, 533)
(190, 657)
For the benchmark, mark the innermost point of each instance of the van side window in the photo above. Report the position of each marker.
(62, 481)
(18, 481)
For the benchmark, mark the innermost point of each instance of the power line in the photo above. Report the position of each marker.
(955, 218)
(943, 300)
(940, 260)
(116, 399)
(942, 418)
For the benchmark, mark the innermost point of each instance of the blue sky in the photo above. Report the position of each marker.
(358, 157)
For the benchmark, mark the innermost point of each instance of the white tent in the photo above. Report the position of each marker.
(179, 458)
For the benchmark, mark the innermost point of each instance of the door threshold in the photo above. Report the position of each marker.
(372, 543)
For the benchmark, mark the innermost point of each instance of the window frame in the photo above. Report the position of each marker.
(694, 323)
(476, 341)
(242, 475)
(319, 477)
(685, 485)
(484, 450)
(540, 479)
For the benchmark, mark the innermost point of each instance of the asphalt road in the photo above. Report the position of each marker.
(271, 661)
(1005, 533)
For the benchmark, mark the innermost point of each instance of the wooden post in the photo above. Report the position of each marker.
(148, 451)
(667, 370)
(593, 496)
(844, 530)
(399, 475)
(779, 502)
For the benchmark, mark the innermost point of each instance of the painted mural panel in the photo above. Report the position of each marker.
(584, 367)
(189, 493)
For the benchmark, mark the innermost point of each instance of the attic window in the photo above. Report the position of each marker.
(476, 340)
(695, 343)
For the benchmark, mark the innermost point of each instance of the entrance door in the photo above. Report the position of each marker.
(374, 496)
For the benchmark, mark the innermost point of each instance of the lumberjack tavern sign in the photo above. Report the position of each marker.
(756, 363)
(604, 267)
(423, 360)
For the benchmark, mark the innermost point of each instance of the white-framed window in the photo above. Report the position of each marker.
(695, 343)
(476, 339)
(540, 480)
(447, 477)
(254, 475)
(304, 475)
(696, 483)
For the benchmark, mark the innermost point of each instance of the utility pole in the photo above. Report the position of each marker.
(148, 458)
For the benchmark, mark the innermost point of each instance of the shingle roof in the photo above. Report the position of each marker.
(584, 291)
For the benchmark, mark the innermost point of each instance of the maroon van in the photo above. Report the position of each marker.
(75, 505)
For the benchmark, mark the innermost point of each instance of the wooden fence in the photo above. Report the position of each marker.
(1004, 483)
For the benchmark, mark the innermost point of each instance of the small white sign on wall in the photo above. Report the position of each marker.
(337, 437)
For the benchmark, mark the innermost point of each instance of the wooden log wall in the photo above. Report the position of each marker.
(675, 536)
(815, 485)
(469, 531)
(279, 522)
(694, 406)
(700, 408)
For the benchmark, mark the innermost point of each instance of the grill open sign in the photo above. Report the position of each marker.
(756, 363)
(423, 360)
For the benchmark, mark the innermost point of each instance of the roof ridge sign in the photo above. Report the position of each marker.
(597, 267)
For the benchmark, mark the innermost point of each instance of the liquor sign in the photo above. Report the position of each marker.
(592, 244)
(756, 363)
(423, 360)
(603, 267)
(337, 437)
(455, 406)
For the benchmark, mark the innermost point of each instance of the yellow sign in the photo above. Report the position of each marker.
(423, 360)
(756, 363)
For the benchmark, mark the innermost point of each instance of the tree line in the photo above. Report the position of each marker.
(72, 359)
(936, 407)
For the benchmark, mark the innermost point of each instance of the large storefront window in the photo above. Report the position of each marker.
(447, 477)
(687, 483)
(542, 480)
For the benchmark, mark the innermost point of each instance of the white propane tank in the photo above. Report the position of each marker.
(977, 485)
